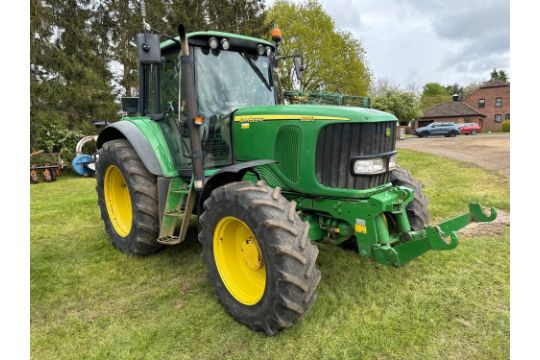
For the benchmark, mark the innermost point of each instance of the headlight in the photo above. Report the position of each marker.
(213, 43)
(375, 165)
(369, 166)
(224, 44)
(392, 163)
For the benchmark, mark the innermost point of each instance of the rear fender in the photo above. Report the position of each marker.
(148, 142)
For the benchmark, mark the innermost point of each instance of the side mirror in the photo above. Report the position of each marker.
(130, 105)
(148, 48)
(299, 67)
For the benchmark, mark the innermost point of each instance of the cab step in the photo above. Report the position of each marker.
(173, 212)
(169, 240)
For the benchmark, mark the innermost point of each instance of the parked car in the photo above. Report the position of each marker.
(469, 128)
(446, 129)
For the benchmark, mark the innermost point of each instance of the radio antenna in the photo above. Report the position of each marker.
(147, 27)
(143, 14)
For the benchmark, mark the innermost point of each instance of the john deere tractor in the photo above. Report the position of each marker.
(207, 137)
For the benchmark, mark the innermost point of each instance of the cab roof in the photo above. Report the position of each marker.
(236, 40)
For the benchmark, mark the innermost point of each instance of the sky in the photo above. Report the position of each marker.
(412, 42)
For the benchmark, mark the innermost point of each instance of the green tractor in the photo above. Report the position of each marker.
(206, 136)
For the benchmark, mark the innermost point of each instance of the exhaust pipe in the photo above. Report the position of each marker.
(188, 77)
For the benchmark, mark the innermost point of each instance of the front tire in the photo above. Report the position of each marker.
(258, 255)
(417, 210)
(127, 198)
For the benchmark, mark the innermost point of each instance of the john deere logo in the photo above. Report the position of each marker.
(388, 132)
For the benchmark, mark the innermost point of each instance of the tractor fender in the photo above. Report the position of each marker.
(130, 132)
(227, 175)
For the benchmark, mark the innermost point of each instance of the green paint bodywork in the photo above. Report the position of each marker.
(262, 140)
(333, 214)
(375, 217)
(154, 133)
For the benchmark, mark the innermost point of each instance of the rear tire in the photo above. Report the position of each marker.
(417, 210)
(473, 132)
(132, 225)
(285, 254)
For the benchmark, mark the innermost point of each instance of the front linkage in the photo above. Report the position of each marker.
(406, 245)
(381, 226)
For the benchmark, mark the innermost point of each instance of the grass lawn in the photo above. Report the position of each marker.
(89, 301)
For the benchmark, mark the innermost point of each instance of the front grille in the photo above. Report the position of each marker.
(339, 143)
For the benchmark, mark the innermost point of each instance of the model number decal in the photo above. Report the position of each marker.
(257, 118)
(252, 119)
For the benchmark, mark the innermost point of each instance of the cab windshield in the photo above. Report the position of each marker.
(228, 80)
(225, 81)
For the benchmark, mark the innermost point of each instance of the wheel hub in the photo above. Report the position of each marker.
(250, 254)
(239, 260)
(118, 200)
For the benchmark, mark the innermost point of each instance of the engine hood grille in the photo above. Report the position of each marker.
(337, 144)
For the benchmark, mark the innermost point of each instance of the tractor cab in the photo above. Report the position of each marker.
(230, 72)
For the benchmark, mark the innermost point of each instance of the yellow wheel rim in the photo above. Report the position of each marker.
(118, 201)
(239, 260)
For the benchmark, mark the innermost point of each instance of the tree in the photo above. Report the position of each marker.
(335, 60)
(455, 89)
(247, 17)
(239, 16)
(500, 75)
(76, 43)
(70, 83)
(469, 89)
(405, 105)
(434, 89)
(434, 93)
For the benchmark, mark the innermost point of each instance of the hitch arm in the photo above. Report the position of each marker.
(439, 237)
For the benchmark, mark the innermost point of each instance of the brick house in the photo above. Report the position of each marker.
(454, 111)
(493, 100)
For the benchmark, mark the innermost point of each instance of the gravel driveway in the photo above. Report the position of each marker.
(491, 151)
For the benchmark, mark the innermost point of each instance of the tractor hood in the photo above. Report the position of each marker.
(310, 113)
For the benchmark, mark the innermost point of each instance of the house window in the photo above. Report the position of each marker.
(498, 102)
(481, 103)
(507, 117)
(498, 118)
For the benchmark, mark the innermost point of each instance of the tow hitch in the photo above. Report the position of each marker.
(440, 237)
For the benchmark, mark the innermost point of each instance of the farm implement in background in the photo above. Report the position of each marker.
(45, 166)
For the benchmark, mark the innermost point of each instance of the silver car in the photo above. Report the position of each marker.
(446, 129)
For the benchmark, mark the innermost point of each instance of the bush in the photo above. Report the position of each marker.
(505, 126)
(54, 137)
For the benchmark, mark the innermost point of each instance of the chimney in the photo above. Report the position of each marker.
(455, 98)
